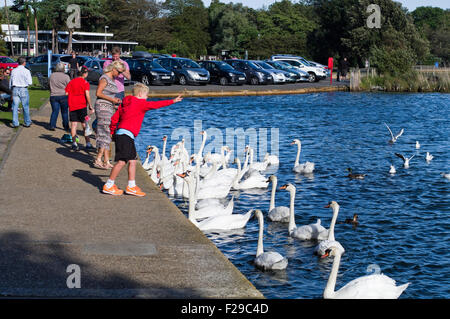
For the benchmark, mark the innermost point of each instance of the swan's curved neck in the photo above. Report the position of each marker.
(331, 284)
(212, 171)
(260, 248)
(147, 158)
(200, 151)
(292, 225)
(191, 211)
(297, 159)
(272, 195)
(251, 156)
(164, 148)
(333, 222)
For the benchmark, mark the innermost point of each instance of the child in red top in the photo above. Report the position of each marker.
(126, 124)
(79, 99)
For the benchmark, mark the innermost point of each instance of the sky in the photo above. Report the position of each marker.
(410, 4)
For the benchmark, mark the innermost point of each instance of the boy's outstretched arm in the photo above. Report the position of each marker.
(158, 104)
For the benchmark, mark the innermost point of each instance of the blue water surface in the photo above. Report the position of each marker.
(404, 218)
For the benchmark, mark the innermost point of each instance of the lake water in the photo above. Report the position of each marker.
(404, 218)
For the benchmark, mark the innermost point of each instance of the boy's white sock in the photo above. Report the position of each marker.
(131, 184)
(109, 183)
(88, 144)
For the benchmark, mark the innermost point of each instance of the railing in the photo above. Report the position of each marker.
(357, 74)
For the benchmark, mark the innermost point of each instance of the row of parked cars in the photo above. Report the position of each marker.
(160, 69)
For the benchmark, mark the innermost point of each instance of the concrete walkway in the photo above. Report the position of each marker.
(53, 214)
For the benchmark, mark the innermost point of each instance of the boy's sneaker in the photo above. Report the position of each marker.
(113, 190)
(75, 147)
(89, 147)
(136, 191)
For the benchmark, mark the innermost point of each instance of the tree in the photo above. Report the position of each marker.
(24, 6)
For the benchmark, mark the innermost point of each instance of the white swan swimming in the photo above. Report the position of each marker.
(445, 175)
(306, 232)
(147, 164)
(417, 145)
(220, 222)
(279, 213)
(428, 157)
(405, 159)
(392, 170)
(304, 168)
(271, 159)
(394, 138)
(330, 241)
(269, 260)
(259, 166)
(374, 286)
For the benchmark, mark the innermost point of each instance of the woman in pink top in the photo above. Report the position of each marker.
(120, 80)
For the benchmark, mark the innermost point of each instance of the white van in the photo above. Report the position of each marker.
(315, 73)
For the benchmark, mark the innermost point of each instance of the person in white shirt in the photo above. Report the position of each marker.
(19, 82)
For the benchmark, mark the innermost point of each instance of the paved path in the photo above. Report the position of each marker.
(53, 214)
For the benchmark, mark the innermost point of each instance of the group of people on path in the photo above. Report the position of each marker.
(118, 118)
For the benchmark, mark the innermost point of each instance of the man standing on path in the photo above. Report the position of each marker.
(74, 66)
(19, 82)
(121, 78)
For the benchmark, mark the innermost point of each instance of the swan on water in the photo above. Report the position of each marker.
(269, 260)
(306, 232)
(394, 138)
(445, 175)
(405, 159)
(330, 241)
(304, 168)
(428, 157)
(279, 213)
(374, 286)
(392, 170)
(271, 159)
(417, 145)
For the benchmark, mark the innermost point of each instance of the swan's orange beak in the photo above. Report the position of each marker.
(161, 186)
(292, 143)
(327, 206)
(182, 175)
(325, 255)
(283, 187)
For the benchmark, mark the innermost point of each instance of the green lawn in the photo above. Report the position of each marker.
(37, 98)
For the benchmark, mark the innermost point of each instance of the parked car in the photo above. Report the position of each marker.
(186, 71)
(150, 72)
(295, 74)
(39, 64)
(82, 59)
(279, 76)
(253, 73)
(7, 63)
(315, 73)
(223, 73)
(148, 55)
(95, 68)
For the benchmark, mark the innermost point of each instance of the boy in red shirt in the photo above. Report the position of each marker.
(126, 124)
(79, 99)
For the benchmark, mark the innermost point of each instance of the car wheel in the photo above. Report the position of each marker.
(312, 77)
(182, 80)
(254, 81)
(223, 81)
(145, 80)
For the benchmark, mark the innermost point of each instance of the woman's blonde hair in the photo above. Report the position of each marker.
(118, 65)
(139, 88)
(60, 67)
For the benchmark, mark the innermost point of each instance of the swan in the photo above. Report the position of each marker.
(306, 232)
(405, 159)
(271, 159)
(417, 145)
(374, 286)
(305, 168)
(259, 166)
(394, 138)
(147, 164)
(330, 241)
(445, 175)
(220, 222)
(280, 213)
(428, 157)
(354, 175)
(392, 170)
(269, 260)
(255, 180)
(163, 154)
(199, 156)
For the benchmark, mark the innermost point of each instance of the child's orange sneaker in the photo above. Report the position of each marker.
(136, 191)
(113, 190)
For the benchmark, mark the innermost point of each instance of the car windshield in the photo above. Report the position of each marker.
(254, 65)
(265, 65)
(7, 60)
(284, 64)
(225, 66)
(151, 65)
(189, 64)
(306, 63)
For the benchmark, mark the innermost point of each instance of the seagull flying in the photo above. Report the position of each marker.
(394, 138)
(405, 160)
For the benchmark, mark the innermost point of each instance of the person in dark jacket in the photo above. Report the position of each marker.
(344, 66)
(5, 91)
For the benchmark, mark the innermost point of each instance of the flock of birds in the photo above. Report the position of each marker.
(206, 180)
